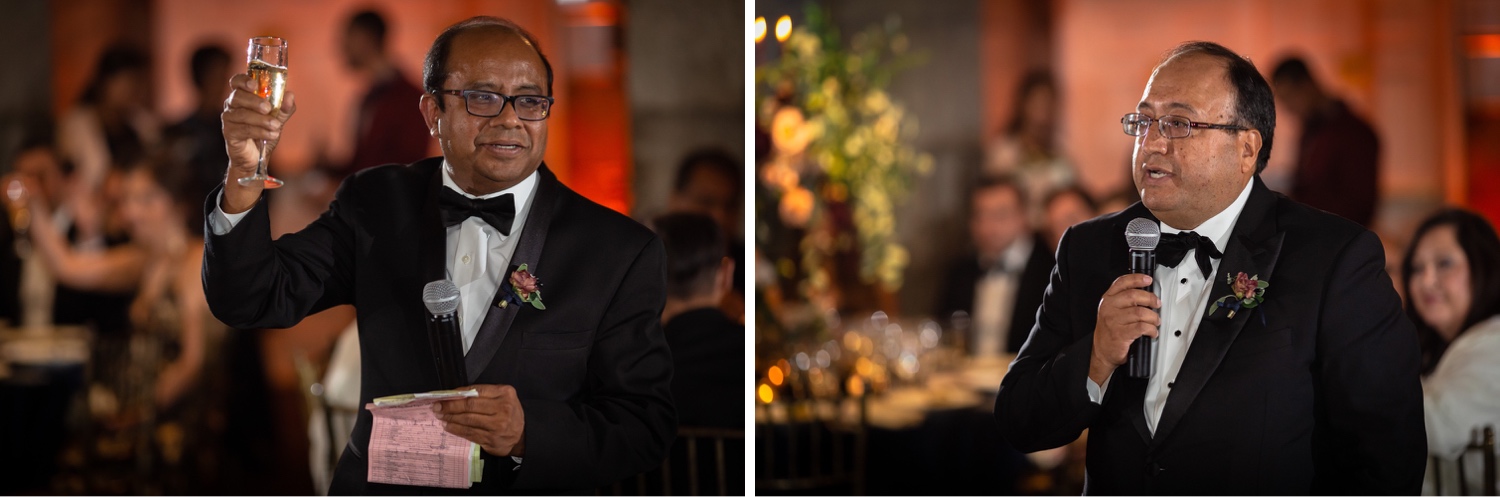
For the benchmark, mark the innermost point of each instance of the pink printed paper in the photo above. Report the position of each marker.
(409, 447)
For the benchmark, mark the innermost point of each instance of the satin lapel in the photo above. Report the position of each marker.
(433, 256)
(497, 322)
(433, 236)
(1131, 394)
(1252, 249)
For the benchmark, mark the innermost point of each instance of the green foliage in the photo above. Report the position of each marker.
(855, 136)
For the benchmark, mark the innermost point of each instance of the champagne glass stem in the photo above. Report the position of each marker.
(261, 171)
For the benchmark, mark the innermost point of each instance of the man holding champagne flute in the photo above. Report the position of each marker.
(573, 393)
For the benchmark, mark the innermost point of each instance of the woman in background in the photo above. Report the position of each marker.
(1027, 148)
(1451, 276)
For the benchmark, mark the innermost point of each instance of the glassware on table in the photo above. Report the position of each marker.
(266, 58)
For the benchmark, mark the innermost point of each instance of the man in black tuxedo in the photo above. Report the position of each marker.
(1000, 285)
(1314, 390)
(572, 396)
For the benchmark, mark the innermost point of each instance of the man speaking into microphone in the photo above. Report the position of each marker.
(559, 297)
(1281, 361)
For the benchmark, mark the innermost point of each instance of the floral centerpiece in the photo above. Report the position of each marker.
(839, 165)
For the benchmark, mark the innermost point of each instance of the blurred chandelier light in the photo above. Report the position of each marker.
(760, 29)
(783, 28)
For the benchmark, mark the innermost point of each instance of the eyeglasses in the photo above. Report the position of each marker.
(1171, 126)
(482, 103)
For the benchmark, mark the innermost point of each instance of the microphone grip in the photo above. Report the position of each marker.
(447, 349)
(1138, 363)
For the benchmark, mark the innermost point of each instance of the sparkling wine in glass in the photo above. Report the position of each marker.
(266, 57)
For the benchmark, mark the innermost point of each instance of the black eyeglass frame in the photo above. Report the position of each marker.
(504, 100)
(1161, 125)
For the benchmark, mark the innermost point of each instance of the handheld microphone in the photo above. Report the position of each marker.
(441, 299)
(1142, 235)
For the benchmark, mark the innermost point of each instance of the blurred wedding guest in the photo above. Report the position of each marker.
(26, 288)
(111, 125)
(1338, 155)
(1000, 284)
(1452, 280)
(196, 141)
(388, 126)
(709, 181)
(162, 264)
(708, 347)
(1064, 208)
(1118, 201)
(1027, 148)
(41, 175)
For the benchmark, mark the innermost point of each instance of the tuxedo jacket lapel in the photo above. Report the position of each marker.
(1132, 396)
(498, 322)
(433, 236)
(1252, 249)
(432, 255)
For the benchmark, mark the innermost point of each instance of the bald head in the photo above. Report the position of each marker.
(480, 29)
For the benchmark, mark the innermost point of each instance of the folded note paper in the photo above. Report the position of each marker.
(408, 445)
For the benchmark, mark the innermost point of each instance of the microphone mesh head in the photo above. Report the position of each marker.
(440, 297)
(1142, 234)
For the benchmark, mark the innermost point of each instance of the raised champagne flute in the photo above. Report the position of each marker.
(266, 57)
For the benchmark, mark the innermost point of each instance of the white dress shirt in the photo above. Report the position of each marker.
(1184, 294)
(995, 299)
(477, 257)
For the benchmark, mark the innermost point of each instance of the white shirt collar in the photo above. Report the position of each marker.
(522, 191)
(1217, 228)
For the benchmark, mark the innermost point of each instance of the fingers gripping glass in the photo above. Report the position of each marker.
(1170, 126)
(482, 103)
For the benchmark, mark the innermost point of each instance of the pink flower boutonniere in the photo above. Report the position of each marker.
(524, 288)
(1249, 292)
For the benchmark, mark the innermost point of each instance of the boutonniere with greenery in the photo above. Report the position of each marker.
(1249, 291)
(524, 288)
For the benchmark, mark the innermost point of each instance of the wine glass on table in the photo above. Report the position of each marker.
(266, 58)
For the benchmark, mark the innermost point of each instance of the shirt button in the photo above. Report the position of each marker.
(466, 259)
(1171, 383)
(1177, 333)
(1184, 281)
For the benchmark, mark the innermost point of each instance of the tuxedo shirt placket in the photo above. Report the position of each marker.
(478, 255)
(1184, 297)
(1183, 292)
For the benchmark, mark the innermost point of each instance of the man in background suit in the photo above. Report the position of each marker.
(1314, 390)
(708, 348)
(572, 396)
(1000, 285)
(387, 128)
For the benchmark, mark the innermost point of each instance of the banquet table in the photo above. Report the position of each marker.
(939, 437)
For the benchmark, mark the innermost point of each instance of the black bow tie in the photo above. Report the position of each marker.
(498, 212)
(1174, 246)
